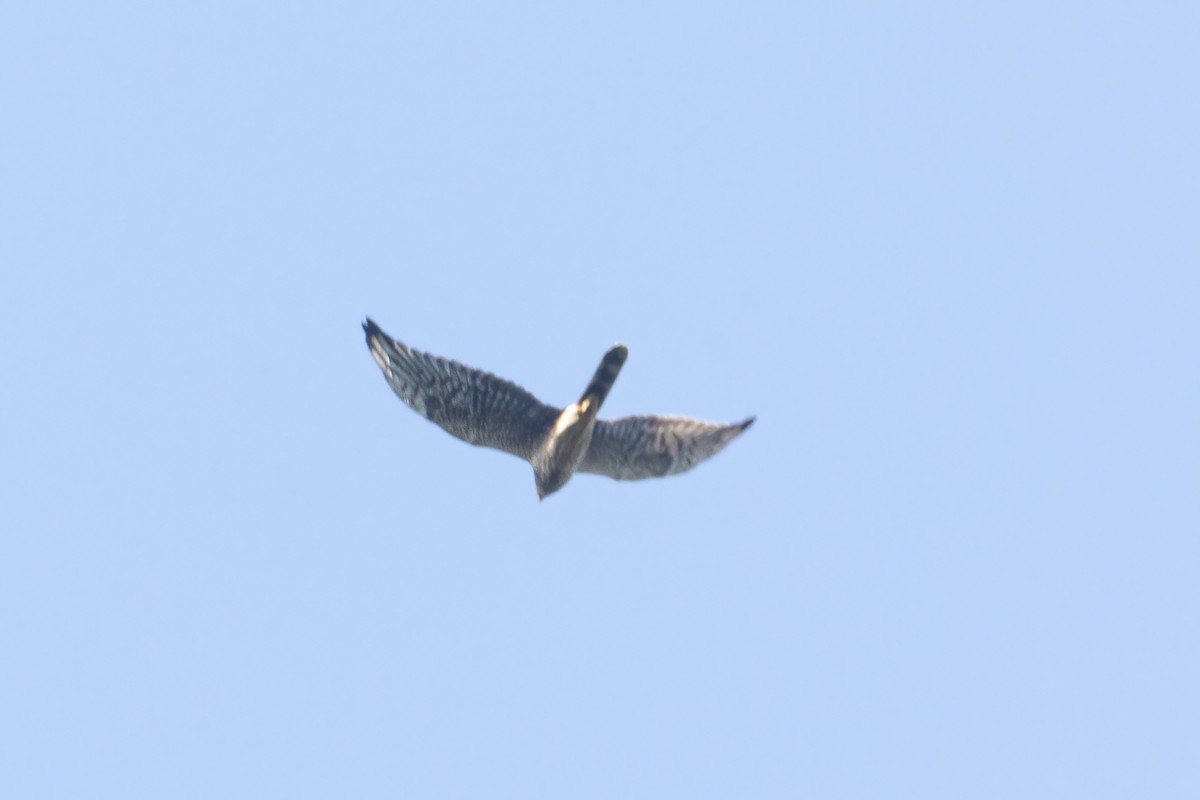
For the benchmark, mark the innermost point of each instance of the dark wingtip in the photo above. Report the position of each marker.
(748, 423)
(370, 328)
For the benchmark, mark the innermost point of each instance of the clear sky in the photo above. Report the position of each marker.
(948, 253)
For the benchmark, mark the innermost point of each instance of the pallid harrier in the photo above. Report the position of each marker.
(482, 409)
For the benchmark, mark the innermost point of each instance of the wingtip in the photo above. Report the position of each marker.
(748, 423)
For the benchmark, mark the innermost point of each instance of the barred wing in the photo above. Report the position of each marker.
(647, 447)
(473, 405)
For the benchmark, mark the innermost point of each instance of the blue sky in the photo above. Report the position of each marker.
(947, 253)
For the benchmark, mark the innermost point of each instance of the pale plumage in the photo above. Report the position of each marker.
(485, 410)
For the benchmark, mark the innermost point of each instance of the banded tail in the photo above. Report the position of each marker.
(603, 380)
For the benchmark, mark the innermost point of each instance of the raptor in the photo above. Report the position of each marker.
(485, 410)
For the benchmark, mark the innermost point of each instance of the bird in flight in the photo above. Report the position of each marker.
(485, 410)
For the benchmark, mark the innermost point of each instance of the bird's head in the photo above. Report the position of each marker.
(550, 482)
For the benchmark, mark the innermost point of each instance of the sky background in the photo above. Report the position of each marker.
(946, 252)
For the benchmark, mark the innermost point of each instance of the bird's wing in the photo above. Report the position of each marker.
(473, 405)
(646, 447)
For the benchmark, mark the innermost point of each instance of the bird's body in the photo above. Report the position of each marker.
(485, 410)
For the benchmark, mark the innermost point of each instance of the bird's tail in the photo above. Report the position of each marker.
(602, 381)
